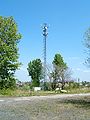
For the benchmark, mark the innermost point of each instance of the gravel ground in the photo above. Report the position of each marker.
(57, 107)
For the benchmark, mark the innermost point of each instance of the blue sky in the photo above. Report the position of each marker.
(67, 19)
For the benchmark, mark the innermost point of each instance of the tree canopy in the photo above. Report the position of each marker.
(35, 71)
(58, 60)
(9, 38)
(59, 69)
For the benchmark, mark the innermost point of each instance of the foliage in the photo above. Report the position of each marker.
(35, 71)
(26, 87)
(73, 85)
(47, 86)
(58, 60)
(9, 39)
(6, 92)
(60, 68)
(8, 83)
(85, 83)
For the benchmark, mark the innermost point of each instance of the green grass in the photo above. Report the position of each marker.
(19, 92)
(79, 90)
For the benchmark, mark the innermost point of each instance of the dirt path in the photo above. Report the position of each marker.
(55, 107)
(13, 99)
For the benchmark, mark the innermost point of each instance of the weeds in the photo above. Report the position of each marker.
(27, 92)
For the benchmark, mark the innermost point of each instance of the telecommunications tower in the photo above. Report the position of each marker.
(45, 33)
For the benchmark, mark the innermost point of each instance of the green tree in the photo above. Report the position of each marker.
(60, 68)
(35, 71)
(9, 39)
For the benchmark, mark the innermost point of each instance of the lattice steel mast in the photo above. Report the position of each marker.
(45, 33)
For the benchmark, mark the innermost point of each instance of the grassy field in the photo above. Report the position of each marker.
(36, 108)
(19, 92)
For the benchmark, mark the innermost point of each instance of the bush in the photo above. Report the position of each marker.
(7, 92)
(73, 85)
(8, 83)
